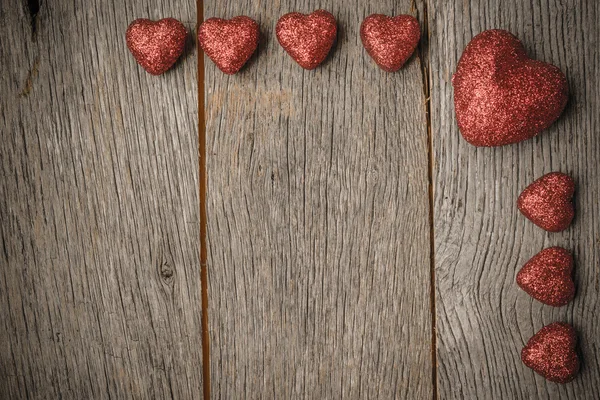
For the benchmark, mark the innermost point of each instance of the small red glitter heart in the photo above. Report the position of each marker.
(547, 277)
(156, 45)
(501, 96)
(551, 353)
(307, 38)
(390, 41)
(229, 43)
(547, 202)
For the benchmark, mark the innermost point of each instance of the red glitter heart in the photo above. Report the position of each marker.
(551, 353)
(229, 43)
(501, 96)
(307, 38)
(547, 277)
(390, 41)
(156, 45)
(547, 202)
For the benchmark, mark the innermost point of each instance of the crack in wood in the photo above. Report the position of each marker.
(33, 7)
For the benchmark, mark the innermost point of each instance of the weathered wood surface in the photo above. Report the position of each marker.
(481, 240)
(319, 268)
(319, 246)
(99, 284)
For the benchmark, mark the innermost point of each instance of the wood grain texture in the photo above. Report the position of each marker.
(319, 268)
(481, 240)
(99, 286)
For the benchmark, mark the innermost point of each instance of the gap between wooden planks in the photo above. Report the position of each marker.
(423, 54)
(202, 182)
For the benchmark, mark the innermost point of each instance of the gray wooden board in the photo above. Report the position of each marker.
(318, 218)
(99, 277)
(481, 240)
(318, 212)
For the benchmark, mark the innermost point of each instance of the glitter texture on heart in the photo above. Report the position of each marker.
(501, 96)
(229, 43)
(307, 38)
(390, 41)
(156, 45)
(552, 353)
(548, 277)
(547, 202)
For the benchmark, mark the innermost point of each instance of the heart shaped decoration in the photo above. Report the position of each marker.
(156, 45)
(551, 353)
(229, 43)
(501, 96)
(547, 202)
(547, 277)
(307, 38)
(390, 41)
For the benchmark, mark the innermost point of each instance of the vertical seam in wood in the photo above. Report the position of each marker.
(202, 181)
(425, 68)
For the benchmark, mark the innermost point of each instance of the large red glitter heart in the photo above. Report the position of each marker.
(229, 43)
(551, 353)
(501, 96)
(547, 277)
(547, 202)
(307, 38)
(390, 41)
(156, 45)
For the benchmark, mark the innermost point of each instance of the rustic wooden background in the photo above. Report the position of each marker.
(99, 286)
(357, 246)
(481, 240)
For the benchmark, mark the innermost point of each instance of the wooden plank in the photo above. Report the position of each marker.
(99, 287)
(481, 240)
(318, 219)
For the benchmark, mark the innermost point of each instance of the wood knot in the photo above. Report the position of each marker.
(166, 271)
